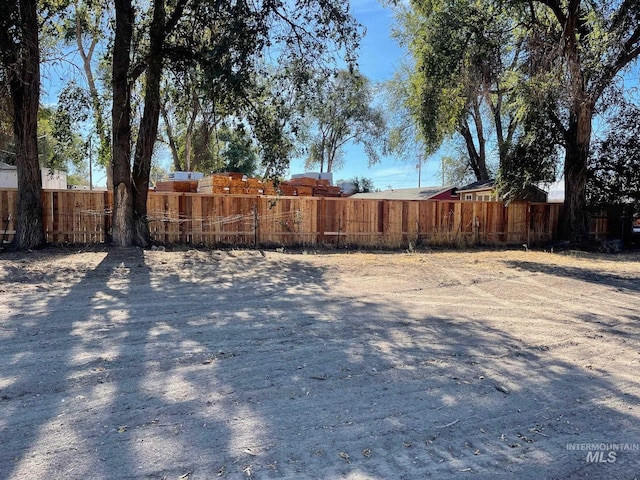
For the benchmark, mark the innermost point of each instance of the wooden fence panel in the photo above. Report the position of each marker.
(411, 222)
(189, 218)
(363, 222)
(544, 219)
(495, 226)
(163, 216)
(288, 220)
(72, 216)
(517, 222)
(427, 221)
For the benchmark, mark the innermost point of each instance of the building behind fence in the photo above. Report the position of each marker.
(82, 217)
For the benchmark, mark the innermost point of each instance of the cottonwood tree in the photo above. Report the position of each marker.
(575, 49)
(20, 69)
(227, 41)
(86, 28)
(462, 54)
(341, 111)
(189, 117)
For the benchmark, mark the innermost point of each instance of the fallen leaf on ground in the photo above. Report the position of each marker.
(502, 388)
(345, 457)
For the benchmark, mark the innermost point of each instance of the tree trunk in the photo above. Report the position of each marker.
(148, 126)
(123, 224)
(104, 155)
(188, 147)
(24, 84)
(477, 162)
(171, 139)
(575, 218)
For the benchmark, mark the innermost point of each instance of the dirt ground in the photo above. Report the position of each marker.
(118, 364)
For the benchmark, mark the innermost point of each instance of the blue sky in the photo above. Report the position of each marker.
(379, 58)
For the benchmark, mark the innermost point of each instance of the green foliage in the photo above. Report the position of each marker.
(463, 54)
(60, 145)
(614, 167)
(237, 151)
(456, 170)
(340, 110)
(362, 185)
(77, 179)
(404, 139)
(7, 147)
(157, 174)
(574, 51)
(532, 158)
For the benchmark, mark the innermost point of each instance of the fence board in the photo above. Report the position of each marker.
(8, 208)
(190, 218)
(71, 216)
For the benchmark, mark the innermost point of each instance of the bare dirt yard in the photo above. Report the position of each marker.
(190, 364)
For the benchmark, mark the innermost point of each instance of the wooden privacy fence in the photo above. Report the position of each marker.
(189, 218)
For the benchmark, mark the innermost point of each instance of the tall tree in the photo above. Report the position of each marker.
(87, 26)
(341, 111)
(124, 226)
(20, 68)
(463, 52)
(228, 41)
(576, 49)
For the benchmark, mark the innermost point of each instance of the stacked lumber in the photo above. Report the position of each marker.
(188, 186)
(326, 191)
(303, 182)
(237, 184)
(307, 187)
(234, 183)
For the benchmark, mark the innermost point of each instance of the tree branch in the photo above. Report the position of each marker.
(555, 7)
(629, 52)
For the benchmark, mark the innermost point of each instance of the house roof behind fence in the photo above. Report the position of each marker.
(424, 193)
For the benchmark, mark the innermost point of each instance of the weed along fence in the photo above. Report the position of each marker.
(191, 218)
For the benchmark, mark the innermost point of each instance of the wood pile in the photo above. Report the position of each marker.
(186, 186)
(307, 187)
(237, 184)
(234, 183)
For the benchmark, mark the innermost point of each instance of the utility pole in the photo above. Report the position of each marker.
(90, 167)
(419, 167)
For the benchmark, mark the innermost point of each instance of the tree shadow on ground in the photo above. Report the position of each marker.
(585, 274)
(240, 366)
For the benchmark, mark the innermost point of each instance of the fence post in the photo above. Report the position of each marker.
(108, 215)
(528, 220)
(476, 227)
(255, 222)
(321, 213)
